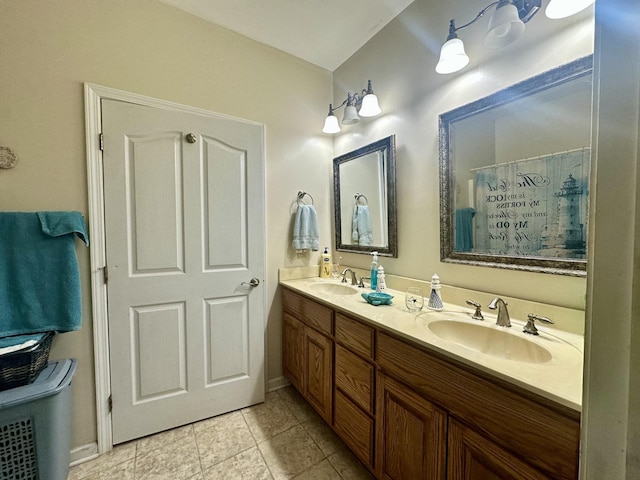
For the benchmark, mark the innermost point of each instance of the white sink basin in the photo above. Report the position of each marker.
(489, 340)
(333, 288)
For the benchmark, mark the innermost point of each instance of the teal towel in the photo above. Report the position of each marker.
(464, 229)
(305, 229)
(39, 277)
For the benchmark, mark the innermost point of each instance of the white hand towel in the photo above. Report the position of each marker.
(305, 229)
(361, 230)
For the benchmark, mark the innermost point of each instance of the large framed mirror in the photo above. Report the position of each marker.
(514, 175)
(364, 188)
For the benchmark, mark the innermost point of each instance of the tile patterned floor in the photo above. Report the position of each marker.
(282, 438)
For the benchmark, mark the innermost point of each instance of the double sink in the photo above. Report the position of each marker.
(459, 328)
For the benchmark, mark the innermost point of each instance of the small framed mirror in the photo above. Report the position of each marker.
(514, 175)
(364, 187)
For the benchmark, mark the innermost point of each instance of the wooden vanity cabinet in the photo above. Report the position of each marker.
(410, 413)
(528, 430)
(308, 350)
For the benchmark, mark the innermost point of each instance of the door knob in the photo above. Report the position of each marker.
(254, 282)
(191, 138)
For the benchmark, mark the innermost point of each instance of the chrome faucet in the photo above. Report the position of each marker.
(354, 279)
(503, 313)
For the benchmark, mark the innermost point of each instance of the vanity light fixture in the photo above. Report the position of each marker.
(356, 106)
(506, 25)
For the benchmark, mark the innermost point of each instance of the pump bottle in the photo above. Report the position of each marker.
(325, 264)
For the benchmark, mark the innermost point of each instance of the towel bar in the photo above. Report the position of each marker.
(301, 195)
(359, 197)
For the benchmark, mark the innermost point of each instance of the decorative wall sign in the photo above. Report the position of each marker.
(8, 159)
(534, 207)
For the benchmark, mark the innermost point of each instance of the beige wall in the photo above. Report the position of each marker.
(48, 48)
(400, 61)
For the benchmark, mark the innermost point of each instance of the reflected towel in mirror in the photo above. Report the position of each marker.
(361, 230)
(305, 229)
(464, 229)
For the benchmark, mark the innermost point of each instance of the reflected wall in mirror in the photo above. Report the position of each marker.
(514, 175)
(364, 188)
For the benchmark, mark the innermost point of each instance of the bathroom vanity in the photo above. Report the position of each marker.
(413, 406)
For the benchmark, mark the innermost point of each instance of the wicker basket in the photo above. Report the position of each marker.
(23, 366)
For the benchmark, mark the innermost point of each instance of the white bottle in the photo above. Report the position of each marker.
(381, 286)
(325, 264)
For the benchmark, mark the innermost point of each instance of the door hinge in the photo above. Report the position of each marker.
(105, 274)
(101, 141)
(110, 403)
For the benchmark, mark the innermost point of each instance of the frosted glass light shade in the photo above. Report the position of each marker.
(565, 8)
(331, 124)
(350, 115)
(452, 57)
(370, 107)
(505, 27)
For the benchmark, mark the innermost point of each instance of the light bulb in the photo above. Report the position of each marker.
(452, 57)
(331, 124)
(565, 8)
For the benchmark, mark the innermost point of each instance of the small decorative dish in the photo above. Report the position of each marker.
(377, 298)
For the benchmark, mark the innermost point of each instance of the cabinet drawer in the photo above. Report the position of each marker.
(313, 314)
(355, 335)
(550, 435)
(354, 377)
(354, 427)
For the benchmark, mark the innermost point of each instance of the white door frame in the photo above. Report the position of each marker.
(93, 94)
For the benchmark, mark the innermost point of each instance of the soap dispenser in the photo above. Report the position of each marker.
(374, 271)
(325, 264)
(435, 299)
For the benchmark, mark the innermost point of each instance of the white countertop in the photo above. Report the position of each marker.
(558, 379)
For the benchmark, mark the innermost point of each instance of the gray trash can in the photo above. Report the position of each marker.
(35, 426)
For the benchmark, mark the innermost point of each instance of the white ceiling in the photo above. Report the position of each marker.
(323, 32)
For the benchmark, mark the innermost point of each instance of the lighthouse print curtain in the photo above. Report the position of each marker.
(534, 207)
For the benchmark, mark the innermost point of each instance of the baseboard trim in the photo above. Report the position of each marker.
(84, 453)
(277, 383)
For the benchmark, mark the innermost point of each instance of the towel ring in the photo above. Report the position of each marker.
(359, 197)
(301, 195)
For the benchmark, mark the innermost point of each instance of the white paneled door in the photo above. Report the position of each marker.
(184, 216)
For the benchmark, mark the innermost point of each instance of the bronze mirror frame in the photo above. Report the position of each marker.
(387, 147)
(539, 83)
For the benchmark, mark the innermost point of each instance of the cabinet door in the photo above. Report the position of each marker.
(473, 457)
(292, 351)
(411, 434)
(318, 353)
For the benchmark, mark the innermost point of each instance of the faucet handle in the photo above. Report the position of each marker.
(478, 313)
(530, 327)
